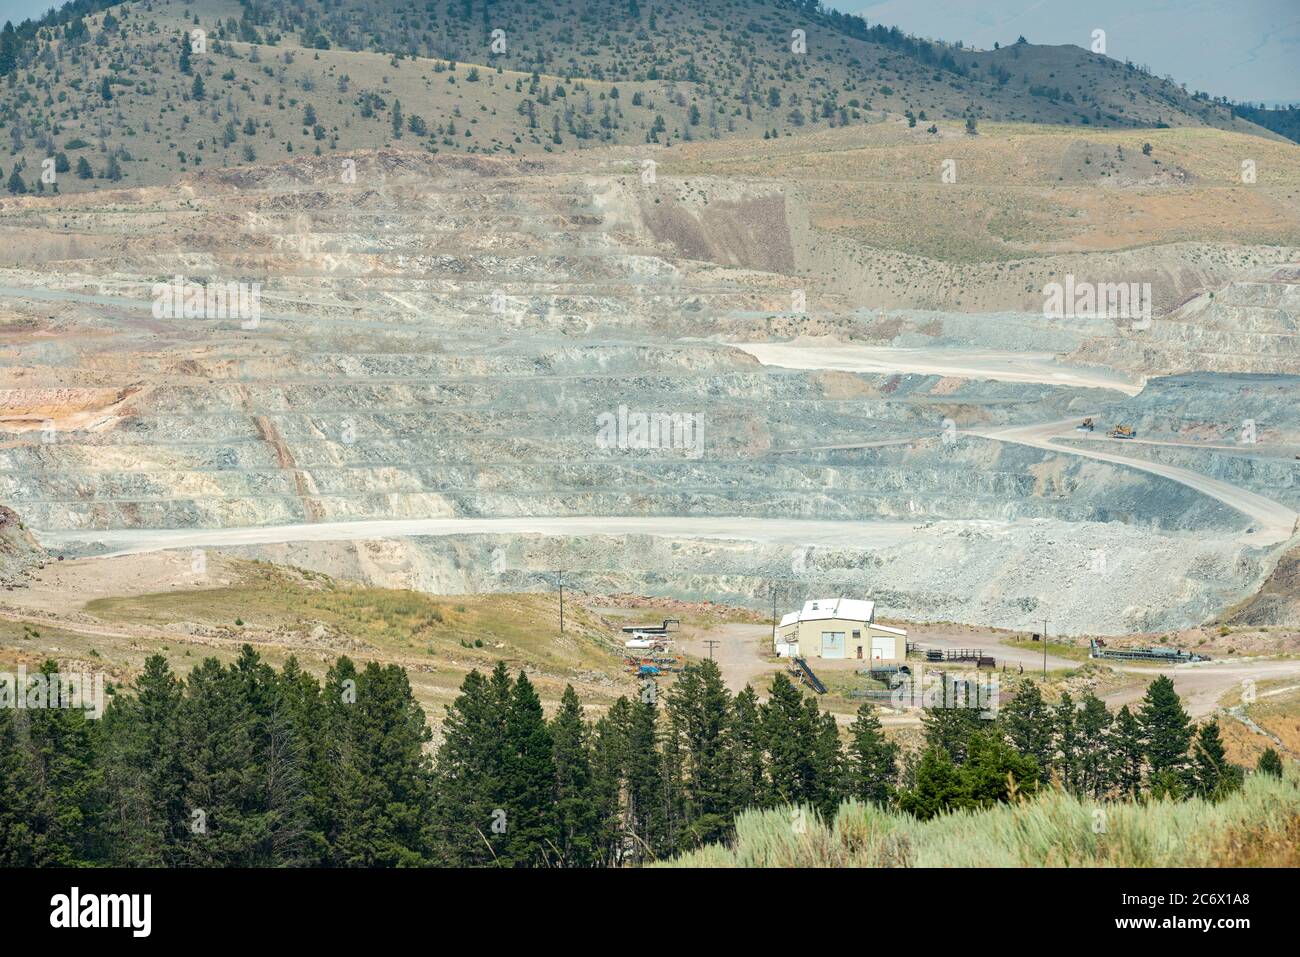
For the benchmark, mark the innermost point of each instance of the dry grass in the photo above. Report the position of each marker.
(285, 611)
(1024, 190)
(1254, 827)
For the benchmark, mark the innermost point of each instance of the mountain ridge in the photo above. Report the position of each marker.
(119, 94)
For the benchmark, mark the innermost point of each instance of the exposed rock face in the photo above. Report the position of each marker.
(1093, 578)
(1277, 602)
(1239, 327)
(443, 337)
(19, 550)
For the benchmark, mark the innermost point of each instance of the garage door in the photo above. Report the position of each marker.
(832, 644)
(882, 648)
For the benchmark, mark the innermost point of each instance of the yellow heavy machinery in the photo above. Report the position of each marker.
(1086, 426)
(1122, 432)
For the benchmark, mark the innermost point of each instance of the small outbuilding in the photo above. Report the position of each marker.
(839, 628)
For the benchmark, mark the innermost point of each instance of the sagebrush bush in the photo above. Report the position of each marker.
(1055, 829)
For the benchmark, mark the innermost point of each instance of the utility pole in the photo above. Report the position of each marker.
(711, 642)
(1045, 620)
(561, 584)
(773, 586)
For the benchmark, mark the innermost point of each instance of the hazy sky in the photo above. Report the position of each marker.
(1243, 49)
(19, 10)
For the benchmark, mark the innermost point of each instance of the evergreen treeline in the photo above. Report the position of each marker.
(18, 44)
(235, 766)
(239, 765)
(1283, 119)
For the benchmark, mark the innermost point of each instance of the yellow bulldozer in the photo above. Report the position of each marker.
(1122, 432)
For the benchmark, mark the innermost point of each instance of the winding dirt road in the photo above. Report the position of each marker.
(113, 542)
(1274, 521)
(1040, 367)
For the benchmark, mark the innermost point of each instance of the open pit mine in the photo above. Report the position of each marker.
(472, 374)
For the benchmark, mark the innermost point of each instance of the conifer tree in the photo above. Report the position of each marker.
(608, 761)
(468, 774)
(223, 800)
(1166, 734)
(1096, 747)
(1027, 724)
(66, 785)
(1270, 763)
(146, 820)
(827, 787)
(673, 802)
(9, 47)
(528, 785)
(643, 775)
(1214, 776)
(1065, 742)
(699, 707)
(994, 771)
(873, 760)
(950, 728)
(938, 786)
(745, 756)
(576, 806)
(314, 735)
(391, 728)
(17, 797)
(788, 739)
(1130, 753)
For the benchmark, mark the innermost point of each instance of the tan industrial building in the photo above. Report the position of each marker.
(839, 628)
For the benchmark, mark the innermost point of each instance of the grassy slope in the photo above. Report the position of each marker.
(285, 612)
(1255, 827)
(270, 598)
(723, 60)
(1023, 190)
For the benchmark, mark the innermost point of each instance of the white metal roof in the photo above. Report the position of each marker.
(822, 609)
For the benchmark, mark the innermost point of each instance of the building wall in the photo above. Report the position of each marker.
(808, 635)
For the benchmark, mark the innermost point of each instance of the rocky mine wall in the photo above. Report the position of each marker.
(1090, 578)
(441, 338)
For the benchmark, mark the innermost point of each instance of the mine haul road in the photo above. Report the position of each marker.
(1274, 522)
(798, 532)
(1036, 367)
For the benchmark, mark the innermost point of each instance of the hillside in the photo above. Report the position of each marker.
(438, 337)
(121, 95)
